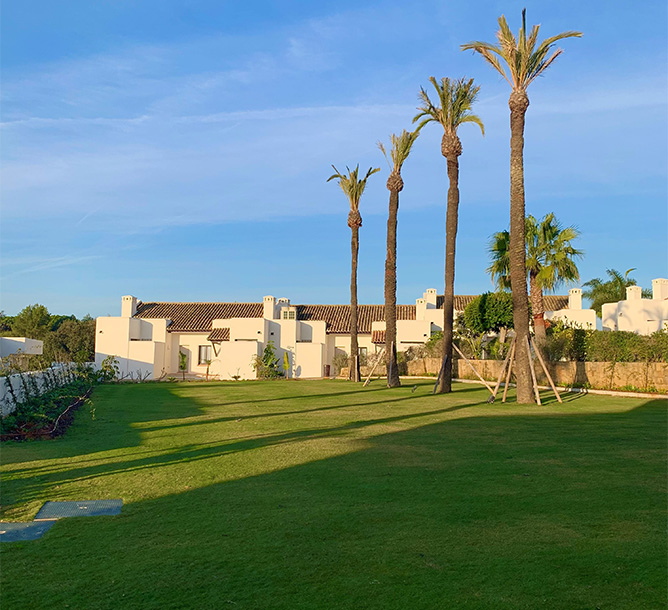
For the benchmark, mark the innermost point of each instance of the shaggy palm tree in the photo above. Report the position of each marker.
(600, 292)
(550, 260)
(526, 60)
(401, 148)
(353, 188)
(455, 99)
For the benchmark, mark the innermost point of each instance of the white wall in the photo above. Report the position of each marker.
(23, 345)
(577, 318)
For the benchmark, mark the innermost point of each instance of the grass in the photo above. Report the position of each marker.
(317, 495)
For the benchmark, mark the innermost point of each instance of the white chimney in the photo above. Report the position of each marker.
(430, 297)
(575, 298)
(269, 303)
(128, 306)
(420, 309)
(660, 289)
(633, 293)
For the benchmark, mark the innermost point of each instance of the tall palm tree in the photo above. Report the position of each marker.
(526, 60)
(550, 260)
(600, 292)
(455, 99)
(401, 148)
(353, 188)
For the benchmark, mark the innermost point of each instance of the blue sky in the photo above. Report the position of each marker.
(179, 150)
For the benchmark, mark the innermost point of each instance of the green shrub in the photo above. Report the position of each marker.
(565, 343)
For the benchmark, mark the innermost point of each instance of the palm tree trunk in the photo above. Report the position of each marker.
(354, 369)
(537, 309)
(518, 103)
(451, 217)
(391, 294)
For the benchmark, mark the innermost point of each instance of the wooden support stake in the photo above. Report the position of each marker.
(503, 369)
(510, 370)
(366, 383)
(533, 373)
(440, 373)
(473, 369)
(547, 373)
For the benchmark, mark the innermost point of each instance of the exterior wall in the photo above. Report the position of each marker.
(138, 345)
(578, 318)
(638, 315)
(309, 360)
(23, 345)
(600, 375)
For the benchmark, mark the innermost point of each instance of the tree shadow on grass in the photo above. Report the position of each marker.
(559, 510)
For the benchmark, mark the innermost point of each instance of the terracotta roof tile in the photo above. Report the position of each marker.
(337, 317)
(219, 334)
(378, 336)
(197, 317)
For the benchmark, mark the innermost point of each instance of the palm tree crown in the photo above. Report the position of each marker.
(550, 254)
(401, 148)
(456, 97)
(525, 57)
(353, 188)
(600, 292)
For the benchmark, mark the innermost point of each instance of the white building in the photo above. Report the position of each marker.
(573, 314)
(638, 315)
(148, 337)
(20, 345)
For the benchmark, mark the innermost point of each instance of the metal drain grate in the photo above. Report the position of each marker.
(90, 508)
(31, 530)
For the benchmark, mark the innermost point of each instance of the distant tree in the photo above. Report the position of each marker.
(489, 312)
(525, 59)
(72, 341)
(33, 321)
(353, 188)
(452, 110)
(57, 320)
(611, 291)
(401, 148)
(5, 324)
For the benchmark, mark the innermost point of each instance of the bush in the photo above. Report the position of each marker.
(266, 366)
(565, 343)
(340, 362)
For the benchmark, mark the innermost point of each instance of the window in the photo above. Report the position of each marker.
(363, 351)
(204, 354)
(289, 315)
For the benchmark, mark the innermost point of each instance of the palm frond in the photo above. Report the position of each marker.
(455, 100)
(351, 185)
(524, 59)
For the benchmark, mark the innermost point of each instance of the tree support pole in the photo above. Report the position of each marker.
(501, 372)
(533, 373)
(473, 369)
(510, 370)
(366, 383)
(547, 374)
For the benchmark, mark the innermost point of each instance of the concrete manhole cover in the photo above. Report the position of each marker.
(89, 508)
(31, 530)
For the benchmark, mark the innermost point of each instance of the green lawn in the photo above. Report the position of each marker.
(318, 495)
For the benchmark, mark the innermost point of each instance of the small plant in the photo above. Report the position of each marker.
(109, 369)
(208, 366)
(266, 366)
(183, 364)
